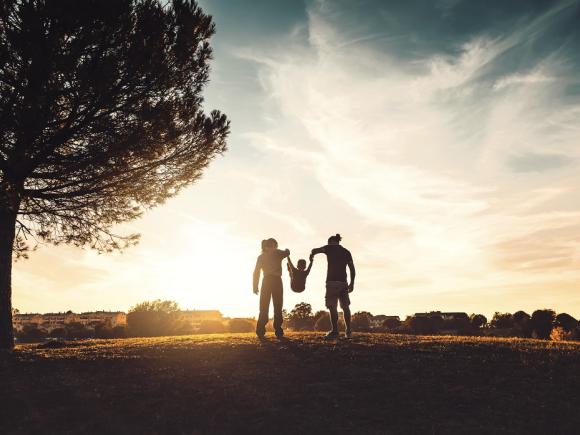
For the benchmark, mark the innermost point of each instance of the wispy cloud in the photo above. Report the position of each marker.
(427, 151)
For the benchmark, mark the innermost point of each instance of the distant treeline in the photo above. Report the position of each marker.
(159, 318)
(541, 324)
(147, 319)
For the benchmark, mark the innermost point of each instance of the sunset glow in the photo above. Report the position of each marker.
(447, 159)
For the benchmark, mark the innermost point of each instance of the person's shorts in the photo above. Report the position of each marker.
(337, 291)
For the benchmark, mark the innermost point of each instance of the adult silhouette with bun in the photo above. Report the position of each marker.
(269, 262)
(337, 287)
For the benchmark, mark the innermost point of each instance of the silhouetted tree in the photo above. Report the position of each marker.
(521, 321)
(361, 321)
(241, 325)
(323, 323)
(301, 318)
(478, 321)
(566, 321)
(502, 321)
(459, 323)
(157, 305)
(426, 324)
(391, 323)
(148, 319)
(542, 322)
(100, 119)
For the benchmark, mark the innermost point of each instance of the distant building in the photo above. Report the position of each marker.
(378, 320)
(52, 321)
(195, 317)
(109, 318)
(444, 315)
(20, 320)
(455, 316)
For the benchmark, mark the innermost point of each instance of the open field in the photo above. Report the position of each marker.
(233, 383)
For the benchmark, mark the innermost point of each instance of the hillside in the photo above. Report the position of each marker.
(375, 383)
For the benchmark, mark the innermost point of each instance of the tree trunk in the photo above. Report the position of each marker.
(7, 228)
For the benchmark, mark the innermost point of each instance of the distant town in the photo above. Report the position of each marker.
(165, 318)
(95, 319)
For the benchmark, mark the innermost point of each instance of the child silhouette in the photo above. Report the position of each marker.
(298, 274)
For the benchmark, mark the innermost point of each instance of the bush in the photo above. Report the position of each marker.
(566, 321)
(391, 324)
(426, 324)
(478, 321)
(150, 323)
(560, 333)
(241, 325)
(211, 327)
(57, 333)
(502, 321)
(542, 322)
(119, 332)
(31, 334)
(301, 318)
(323, 323)
(521, 323)
(78, 330)
(361, 321)
(459, 323)
(154, 318)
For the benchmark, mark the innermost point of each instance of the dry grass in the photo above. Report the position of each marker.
(233, 383)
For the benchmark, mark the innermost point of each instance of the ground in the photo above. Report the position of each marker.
(234, 383)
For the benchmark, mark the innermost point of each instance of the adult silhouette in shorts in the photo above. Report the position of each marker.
(337, 286)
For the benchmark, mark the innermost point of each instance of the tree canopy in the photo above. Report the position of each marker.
(101, 118)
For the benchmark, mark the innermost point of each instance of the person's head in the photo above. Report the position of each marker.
(264, 245)
(272, 243)
(334, 240)
(301, 264)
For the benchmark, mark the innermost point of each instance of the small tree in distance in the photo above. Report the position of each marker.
(478, 321)
(101, 118)
(542, 322)
(152, 318)
(241, 325)
(361, 321)
(502, 321)
(301, 318)
(391, 323)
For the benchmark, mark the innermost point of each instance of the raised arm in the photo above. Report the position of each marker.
(257, 274)
(290, 266)
(310, 265)
(352, 270)
(315, 251)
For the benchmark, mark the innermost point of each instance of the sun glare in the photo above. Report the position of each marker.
(209, 270)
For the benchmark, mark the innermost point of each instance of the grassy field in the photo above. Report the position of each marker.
(233, 383)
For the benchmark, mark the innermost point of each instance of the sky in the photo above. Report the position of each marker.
(439, 138)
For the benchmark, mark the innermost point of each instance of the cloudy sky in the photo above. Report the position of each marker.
(440, 138)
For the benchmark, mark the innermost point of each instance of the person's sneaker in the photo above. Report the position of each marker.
(332, 335)
(348, 333)
(280, 334)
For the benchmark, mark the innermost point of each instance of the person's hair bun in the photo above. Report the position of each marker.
(338, 237)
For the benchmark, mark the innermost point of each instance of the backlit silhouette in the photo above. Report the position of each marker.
(269, 262)
(298, 274)
(337, 287)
